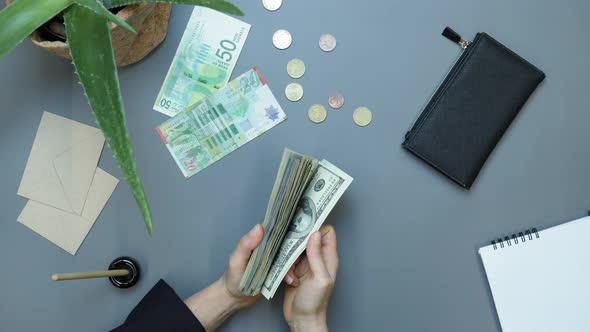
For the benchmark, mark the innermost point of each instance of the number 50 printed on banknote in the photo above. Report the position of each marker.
(204, 60)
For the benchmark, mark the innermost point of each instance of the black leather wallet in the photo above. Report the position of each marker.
(472, 108)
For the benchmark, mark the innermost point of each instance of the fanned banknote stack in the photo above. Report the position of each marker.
(222, 122)
(304, 193)
(204, 60)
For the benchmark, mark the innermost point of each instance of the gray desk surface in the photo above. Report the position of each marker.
(408, 238)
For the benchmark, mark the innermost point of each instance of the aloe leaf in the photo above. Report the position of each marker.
(220, 5)
(97, 7)
(22, 17)
(91, 49)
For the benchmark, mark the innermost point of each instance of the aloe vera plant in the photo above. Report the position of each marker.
(89, 40)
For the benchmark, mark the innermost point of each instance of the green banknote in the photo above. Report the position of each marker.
(204, 60)
(219, 124)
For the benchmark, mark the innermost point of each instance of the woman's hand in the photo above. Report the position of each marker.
(216, 303)
(310, 282)
(237, 266)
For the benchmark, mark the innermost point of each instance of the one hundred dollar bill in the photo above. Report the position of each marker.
(295, 173)
(214, 127)
(204, 60)
(320, 196)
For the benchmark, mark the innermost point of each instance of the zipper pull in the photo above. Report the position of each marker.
(455, 38)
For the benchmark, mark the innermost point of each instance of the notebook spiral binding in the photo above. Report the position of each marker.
(514, 238)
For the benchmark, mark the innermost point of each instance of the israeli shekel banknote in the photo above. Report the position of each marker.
(214, 127)
(320, 196)
(204, 60)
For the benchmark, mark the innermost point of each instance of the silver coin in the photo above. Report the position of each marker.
(296, 68)
(294, 91)
(272, 5)
(317, 113)
(327, 42)
(336, 100)
(282, 39)
(362, 116)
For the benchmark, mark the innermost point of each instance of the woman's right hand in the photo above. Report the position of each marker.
(310, 282)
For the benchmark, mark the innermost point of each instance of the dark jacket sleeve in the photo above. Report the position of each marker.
(161, 310)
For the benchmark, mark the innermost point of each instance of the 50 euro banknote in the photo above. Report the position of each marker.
(204, 60)
(214, 127)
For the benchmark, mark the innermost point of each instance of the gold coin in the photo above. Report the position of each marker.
(362, 116)
(294, 91)
(317, 113)
(336, 100)
(296, 68)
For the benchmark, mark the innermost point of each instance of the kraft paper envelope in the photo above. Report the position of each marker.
(64, 229)
(62, 163)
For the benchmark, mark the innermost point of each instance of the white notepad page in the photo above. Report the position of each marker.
(542, 284)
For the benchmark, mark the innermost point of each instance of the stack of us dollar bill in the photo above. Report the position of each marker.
(304, 193)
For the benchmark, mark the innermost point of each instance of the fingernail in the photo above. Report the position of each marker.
(317, 237)
(253, 231)
(289, 279)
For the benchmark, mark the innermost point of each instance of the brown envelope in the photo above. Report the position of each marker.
(68, 230)
(62, 163)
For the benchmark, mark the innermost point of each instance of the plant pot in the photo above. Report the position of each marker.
(150, 20)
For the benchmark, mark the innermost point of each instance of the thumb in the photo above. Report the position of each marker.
(314, 255)
(249, 242)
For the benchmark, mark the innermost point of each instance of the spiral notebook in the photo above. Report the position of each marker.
(540, 280)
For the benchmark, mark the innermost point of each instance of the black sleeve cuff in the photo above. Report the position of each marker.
(160, 310)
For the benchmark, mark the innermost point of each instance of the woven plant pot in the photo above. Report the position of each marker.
(150, 20)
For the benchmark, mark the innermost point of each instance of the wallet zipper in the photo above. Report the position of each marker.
(465, 46)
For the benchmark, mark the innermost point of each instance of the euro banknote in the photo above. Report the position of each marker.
(207, 131)
(204, 60)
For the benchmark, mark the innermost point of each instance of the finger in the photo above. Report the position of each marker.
(290, 277)
(302, 267)
(325, 229)
(329, 249)
(248, 242)
(314, 256)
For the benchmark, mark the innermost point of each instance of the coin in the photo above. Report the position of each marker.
(294, 91)
(317, 113)
(282, 39)
(362, 116)
(327, 42)
(336, 100)
(272, 5)
(296, 68)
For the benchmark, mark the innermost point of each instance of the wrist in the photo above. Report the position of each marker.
(231, 301)
(213, 305)
(315, 324)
